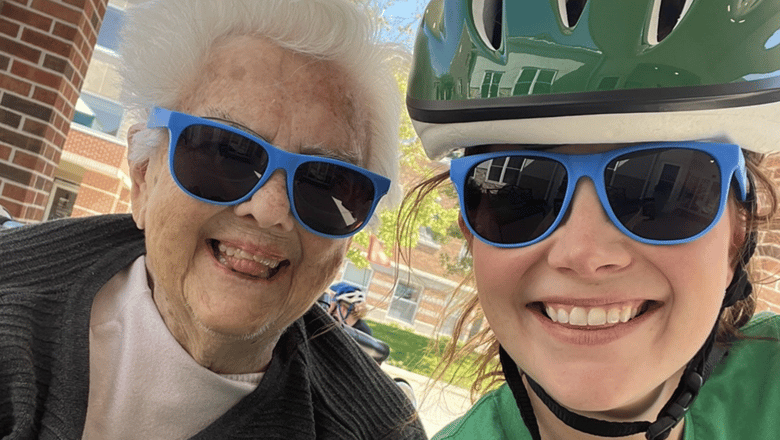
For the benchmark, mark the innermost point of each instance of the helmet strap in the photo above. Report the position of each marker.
(691, 381)
(740, 287)
(349, 310)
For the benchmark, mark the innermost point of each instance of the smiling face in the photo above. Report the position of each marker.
(594, 357)
(246, 270)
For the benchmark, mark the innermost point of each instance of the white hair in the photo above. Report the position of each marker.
(165, 43)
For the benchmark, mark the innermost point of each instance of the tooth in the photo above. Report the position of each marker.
(230, 251)
(552, 314)
(245, 255)
(625, 314)
(613, 316)
(222, 248)
(634, 312)
(578, 316)
(563, 317)
(597, 316)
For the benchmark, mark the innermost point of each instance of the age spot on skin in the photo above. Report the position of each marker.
(237, 73)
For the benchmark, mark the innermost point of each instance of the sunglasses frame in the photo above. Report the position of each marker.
(729, 158)
(278, 159)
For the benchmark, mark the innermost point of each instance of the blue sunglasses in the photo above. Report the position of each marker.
(658, 193)
(222, 165)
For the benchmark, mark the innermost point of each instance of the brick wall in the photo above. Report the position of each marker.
(104, 187)
(45, 48)
(768, 260)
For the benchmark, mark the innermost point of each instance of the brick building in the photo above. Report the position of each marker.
(63, 152)
(45, 50)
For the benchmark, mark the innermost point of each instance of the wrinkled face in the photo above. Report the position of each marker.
(589, 270)
(245, 269)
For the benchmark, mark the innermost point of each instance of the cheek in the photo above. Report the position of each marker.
(174, 224)
(321, 261)
(698, 274)
(500, 275)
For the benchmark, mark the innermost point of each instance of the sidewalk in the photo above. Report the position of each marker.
(443, 404)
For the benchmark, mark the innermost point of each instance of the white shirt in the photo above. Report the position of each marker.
(143, 384)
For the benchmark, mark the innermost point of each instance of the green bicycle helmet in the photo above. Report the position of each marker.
(596, 71)
(593, 72)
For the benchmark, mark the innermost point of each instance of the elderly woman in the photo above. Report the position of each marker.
(250, 172)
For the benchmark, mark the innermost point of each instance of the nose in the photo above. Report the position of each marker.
(586, 242)
(269, 206)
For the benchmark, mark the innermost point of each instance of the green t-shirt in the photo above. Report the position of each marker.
(741, 399)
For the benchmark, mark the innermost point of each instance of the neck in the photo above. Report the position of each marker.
(550, 427)
(227, 354)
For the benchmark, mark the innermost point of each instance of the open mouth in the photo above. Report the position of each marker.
(594, 317)
(244, 263)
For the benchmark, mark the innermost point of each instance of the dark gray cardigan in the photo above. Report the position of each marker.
(49, 275)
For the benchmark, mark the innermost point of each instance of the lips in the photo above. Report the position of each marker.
(246, 263)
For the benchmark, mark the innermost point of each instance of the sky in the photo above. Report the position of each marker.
(402, 14)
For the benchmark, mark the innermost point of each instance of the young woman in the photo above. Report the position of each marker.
(608, 190)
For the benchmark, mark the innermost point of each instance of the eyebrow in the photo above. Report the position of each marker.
(224, 117)
(350, 157)
(345, 156)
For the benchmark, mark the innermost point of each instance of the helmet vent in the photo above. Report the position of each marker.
(666, 16)
(573, 11)
(489, 18)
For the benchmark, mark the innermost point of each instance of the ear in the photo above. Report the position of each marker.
(738, 235)
(139, 191)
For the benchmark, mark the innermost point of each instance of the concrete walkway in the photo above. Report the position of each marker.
(443, 403)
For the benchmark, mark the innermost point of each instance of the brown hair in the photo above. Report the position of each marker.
(488, 372)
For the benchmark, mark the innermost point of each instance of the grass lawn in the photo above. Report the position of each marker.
(412, 352)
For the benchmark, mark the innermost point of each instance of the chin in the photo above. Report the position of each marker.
(606, 402)
(226, 326)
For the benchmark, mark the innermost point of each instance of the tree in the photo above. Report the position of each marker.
(437, 211)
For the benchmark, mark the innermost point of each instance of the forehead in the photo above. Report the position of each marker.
(292, 100)
(565, 149)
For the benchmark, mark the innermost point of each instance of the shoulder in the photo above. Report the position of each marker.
(52, 251)
(336, 366)
(333, 354)
(494, 416)
(742, 397)
(764, 324)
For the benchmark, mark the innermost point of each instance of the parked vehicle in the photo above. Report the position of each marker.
(6, 220)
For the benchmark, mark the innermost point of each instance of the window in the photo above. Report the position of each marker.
(427, 240)
(98, 113)
(406, 298)
(61, 200)
(507, 170)
(490, 84)
(357, 276)
(534, 81)
(108, 37)
(608, 83)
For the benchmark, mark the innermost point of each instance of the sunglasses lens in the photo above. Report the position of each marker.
(514, 199)
(216, 164)
(332, 199)
(668, 194)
